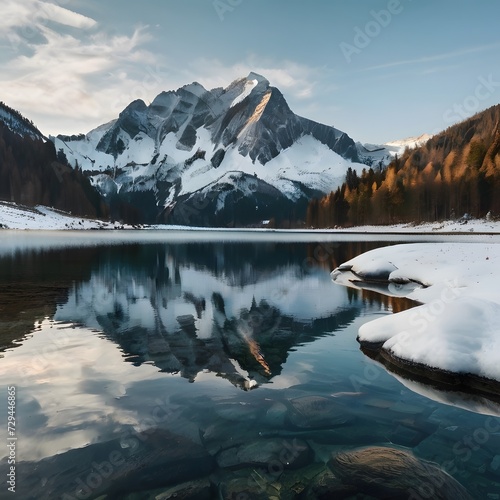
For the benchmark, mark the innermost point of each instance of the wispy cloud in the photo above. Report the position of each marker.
(66, 17)
(68, 74)
(63, 66)
(434, 58)
(21, 22)
(440, 69)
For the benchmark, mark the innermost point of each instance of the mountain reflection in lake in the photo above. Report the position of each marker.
(234, 310)
(198, 367)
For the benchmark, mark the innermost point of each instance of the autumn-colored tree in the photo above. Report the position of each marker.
(455, 172)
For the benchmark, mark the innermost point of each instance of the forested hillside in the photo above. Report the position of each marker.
(32, 173)
(456, 172)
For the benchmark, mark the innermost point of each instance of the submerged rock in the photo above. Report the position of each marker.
(309, 412)
(275, 415)
(249, 484)
(237, 411)
(393, 473)
(222, 435)
(193, 490)
(326, 486)
(264, 484)
(270, 454)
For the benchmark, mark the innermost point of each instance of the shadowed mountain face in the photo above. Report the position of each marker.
(190, 155)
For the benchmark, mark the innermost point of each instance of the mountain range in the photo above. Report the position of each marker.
(231, 156)
(227, 157)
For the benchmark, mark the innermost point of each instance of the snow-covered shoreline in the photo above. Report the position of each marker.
(460, 226)
(18, 217)
(14, 216)
(453, 337)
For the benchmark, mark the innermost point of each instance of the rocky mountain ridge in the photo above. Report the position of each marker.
(227, 156)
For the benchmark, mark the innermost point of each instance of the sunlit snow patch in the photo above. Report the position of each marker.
(249, 86)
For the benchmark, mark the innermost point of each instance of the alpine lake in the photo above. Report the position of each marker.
(225, 365)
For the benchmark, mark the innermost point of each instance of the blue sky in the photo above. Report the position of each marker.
(378, 69)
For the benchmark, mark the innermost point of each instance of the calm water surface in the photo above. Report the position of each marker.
(232, 367)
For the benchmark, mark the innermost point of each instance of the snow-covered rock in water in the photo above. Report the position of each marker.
(160, 157)
(453, 337)
(463, 337)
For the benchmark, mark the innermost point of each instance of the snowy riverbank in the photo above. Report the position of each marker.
(450, 226)
(19, 217)
(14, 216)
(453, 338)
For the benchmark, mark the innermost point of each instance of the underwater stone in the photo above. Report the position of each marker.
(394, 473)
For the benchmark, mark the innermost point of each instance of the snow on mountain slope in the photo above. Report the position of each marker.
(380, 155)
(13, 216)
(191, 138)
(249, 86)
(398, 147)
(309, 162)
(374, 155)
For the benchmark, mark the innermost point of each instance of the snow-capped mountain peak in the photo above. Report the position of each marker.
(188, 141)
